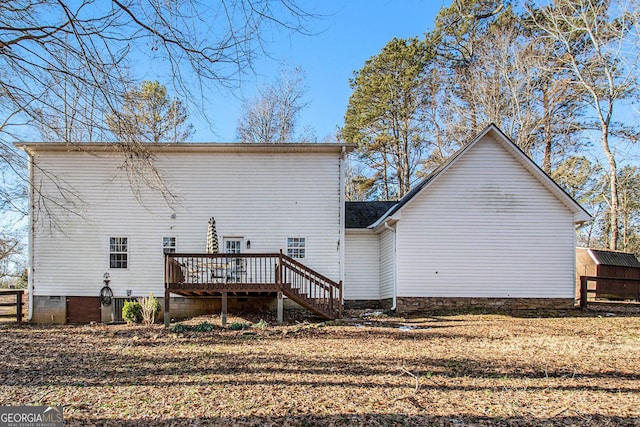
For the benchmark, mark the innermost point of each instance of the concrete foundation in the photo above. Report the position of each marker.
(49, 309)
(53, 309)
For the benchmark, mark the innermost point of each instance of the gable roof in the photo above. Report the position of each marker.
(618, 259)
(363, 214)
(580, 215)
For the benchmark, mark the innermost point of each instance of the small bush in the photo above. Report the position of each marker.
(132, 311)
(260, 325)
(238, 326)
(149, 309)
(179, 328)
(204, 327)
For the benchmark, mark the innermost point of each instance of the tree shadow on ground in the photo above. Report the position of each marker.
(367, 419)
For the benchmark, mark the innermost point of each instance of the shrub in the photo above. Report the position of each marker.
(149, 309)
(179, 328)
(132, 311)
(260, 325)
(202, 327)
(238, 326)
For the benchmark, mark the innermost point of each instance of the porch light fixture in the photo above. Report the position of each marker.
(248, 244)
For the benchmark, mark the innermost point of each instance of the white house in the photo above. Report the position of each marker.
(487, 228)
(86, 219)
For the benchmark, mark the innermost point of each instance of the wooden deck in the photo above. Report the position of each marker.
(251, 274)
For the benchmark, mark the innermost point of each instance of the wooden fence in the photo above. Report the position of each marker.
(611, 288)
(17, 295)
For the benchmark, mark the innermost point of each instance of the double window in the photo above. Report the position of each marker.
(118, 252)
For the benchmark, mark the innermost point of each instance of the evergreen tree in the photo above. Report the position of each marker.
(148, 115)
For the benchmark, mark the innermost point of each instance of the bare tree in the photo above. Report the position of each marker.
(10, 251)
(271, 115)
(48, 47)
(593, 36)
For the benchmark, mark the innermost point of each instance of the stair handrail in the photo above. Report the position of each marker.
(323, 283)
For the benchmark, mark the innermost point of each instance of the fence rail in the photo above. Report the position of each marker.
(18, 303)
(615, 288)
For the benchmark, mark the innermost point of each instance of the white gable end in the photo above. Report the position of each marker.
(486, 227)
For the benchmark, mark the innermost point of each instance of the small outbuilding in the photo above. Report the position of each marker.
(609, 264)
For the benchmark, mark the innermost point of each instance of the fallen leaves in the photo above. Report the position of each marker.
(469, 369)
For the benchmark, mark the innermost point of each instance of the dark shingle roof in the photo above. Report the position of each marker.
(620, 259)
(363, 214)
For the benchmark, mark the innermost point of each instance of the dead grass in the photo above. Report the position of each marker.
(465, 369)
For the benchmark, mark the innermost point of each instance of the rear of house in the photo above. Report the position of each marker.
(486, 229)
(88, 219)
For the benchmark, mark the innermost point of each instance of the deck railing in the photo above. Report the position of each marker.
(308, 287)
(253, 272)
(210, 271)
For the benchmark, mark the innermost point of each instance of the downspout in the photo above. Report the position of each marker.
(395, 266)
(31, 231)
(341, 235)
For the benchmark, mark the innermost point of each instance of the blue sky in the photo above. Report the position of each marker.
(349, 33)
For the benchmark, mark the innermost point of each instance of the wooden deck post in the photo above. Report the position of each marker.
(224, 308)
(340, 302)
(583, 292)
(167, 318)
(280, 308)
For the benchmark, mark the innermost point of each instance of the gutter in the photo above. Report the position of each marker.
(341, 221)
(395, 265)
(31, 232)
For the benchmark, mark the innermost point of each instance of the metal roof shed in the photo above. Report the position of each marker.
(604, 263)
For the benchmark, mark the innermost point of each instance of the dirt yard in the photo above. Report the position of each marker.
(522, 369)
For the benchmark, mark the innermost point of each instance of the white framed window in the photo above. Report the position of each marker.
(118, 252)
(168, 245)
(232, 245)
(297, 247)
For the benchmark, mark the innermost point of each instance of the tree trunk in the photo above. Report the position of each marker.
(613, 186)
(546, 162)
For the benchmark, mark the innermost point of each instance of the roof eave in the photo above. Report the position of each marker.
(190, 147)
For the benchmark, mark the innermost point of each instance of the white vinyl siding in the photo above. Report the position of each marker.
(387, 264)
(362, 265)
(264, 197)
(486, 227)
